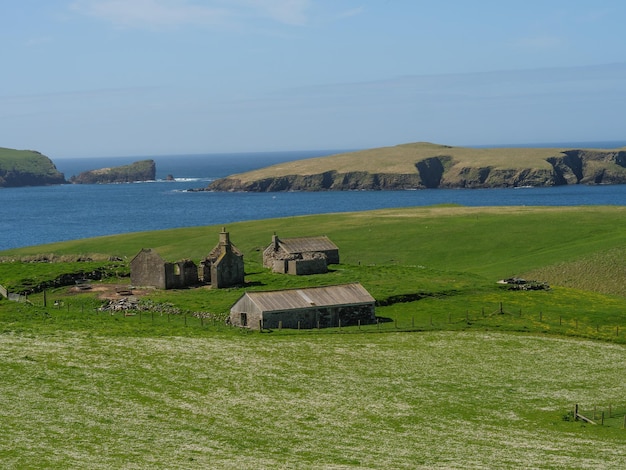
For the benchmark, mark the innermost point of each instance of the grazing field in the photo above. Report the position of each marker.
(406, 400)
(459, 373)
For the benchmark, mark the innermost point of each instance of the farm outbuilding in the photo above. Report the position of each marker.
(304, 255)
(313, 307)
(149, 269)
(223, 267)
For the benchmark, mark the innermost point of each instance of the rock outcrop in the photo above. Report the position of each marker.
(144, 170)
(27, 168)
(420, 166)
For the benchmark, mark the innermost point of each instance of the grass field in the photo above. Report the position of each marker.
(469, 376)
(437, 399)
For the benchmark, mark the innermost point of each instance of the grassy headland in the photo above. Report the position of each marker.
(27, 168)
(426, 165)
(452, 383)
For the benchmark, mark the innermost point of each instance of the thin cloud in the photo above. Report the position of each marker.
(291, 12)
(540, 42)
(349, 13)
(150, 13)
(174, 13)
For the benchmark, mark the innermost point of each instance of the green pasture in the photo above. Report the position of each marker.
(459, 372)
(398, 400)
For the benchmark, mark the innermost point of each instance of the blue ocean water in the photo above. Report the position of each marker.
(39, 215)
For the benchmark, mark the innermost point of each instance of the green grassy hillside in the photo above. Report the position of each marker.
(461, 373)
(493, 242)
(27, 168)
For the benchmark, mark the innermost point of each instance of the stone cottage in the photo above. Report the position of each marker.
(148, 269)
(314, 307)
(223, 267)
(305, 255)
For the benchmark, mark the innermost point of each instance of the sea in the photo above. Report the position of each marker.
(47, 214)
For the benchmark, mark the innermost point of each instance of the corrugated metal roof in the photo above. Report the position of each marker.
(306, 244)
(346, 294)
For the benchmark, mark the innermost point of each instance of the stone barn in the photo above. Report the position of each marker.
(148, 269)
(223, 267)
(305, 255)
(314, 307)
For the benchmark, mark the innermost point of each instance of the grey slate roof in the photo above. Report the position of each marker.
(346, 294)
(306, 244)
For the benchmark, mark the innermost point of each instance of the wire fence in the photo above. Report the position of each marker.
(85, 310)
(609, 415)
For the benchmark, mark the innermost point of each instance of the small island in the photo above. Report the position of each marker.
(27, 168)
(144, 170)
(425, 165)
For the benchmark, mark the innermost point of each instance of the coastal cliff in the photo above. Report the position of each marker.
(144, 170)
(426, 165)
(27, 168)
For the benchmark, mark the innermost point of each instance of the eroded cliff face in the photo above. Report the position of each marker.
(590, 167)
(31, 169)
(567, 167)
(16, 178)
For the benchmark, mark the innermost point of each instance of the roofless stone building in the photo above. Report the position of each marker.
(148, 269)
(223, 267)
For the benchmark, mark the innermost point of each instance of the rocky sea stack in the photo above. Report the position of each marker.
(144, 170)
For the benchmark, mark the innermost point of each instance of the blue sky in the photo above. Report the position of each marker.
(87, 78)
